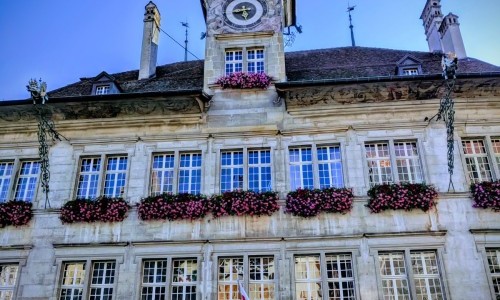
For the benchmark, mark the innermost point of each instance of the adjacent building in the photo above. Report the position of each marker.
(343, 117)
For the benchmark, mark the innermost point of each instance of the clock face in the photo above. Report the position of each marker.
(244, 14)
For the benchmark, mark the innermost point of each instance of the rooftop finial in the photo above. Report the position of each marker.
(349, 9)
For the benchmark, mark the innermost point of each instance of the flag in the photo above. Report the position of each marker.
(244, 295)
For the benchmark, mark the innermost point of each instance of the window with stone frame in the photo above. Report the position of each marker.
(175, 278)
(410, 274)
(315, 167)
(493, 257)
(393, 161)
(250, 60)
(8, 280)
(96, 179)
(255, 273)
(325, 274)
(176, 172)
(22, 187)
(94, 280)
(248, 169)
(477, 159)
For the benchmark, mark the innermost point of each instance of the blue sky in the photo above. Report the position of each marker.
(63, 40)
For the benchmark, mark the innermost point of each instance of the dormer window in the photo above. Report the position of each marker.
(102, 90)
(251, 60)
(409, 66)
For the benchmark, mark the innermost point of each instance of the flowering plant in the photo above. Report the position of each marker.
(309, 203)
(15, 213)
(243, 80)
(486, 194)
(103, 209)
(173, 207)
(238, 203)
(405, 196)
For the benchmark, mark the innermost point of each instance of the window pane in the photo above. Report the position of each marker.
(394, 276)
(5, 179)
(255, 61)
(230, 271)
(162, 174)
(234, 61)
(493, 256)
(154, 279)
(190, 173)
(426, 275)
(184, 279)
(102, 281)
(231, 170)
(72, 281)
(301, 171)
(330, 167)
(259, 170)
(476, 160)
(116, 170)
(408, 162)
(88, 178)
(8, 279)
(27, 181)
(308, 277)
(379, 163)
(496, 150)
(340, 277)
(261, 281)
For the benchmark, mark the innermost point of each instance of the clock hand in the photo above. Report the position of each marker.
(243, 10)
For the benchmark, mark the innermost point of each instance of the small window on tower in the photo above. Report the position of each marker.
(102, 90)
(410, 71)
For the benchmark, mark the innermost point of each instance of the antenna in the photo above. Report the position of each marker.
(185, 24)
(349, 9)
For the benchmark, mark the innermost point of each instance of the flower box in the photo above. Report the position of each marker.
(405, 196)
(241, 80)
(173, 207)
(486, 195)
(309, 203)
(15, 213)
(239, 203)
(101, 209)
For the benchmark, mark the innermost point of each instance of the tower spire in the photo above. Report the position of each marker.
(349, 9)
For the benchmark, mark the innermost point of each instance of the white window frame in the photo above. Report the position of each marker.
(410, 71)
(492, 155)
(103, 89)
(13, 186)
(245, 59)
(393, 159)
(10, 287)
(487, 239)
(176, 169)
(87, 284)
(17, 255)
(169, 284)
(102, 175)
(420, 241)
(316, 162)
(245, 281)
(245, 166)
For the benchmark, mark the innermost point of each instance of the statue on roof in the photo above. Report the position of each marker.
(38, 90)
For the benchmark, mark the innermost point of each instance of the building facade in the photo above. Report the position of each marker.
(349, 117)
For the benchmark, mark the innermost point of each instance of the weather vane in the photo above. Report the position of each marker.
(185, 24)
(449, 64)
(38, 91)
(349, 9)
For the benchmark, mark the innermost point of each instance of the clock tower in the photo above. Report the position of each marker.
(245, 36)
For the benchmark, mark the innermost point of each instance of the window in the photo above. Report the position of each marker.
(27, 180)
(405, 167)
(8, 280)
(324, 274)
(400, 269)
(182, 282)
(163, 179)
(102, 89)
(248, 170)
(477, 160)
(315, 171)
(91, 174)
(258, 280)
(78, 281)
(493, 256)
(245, 60)
(410, 71)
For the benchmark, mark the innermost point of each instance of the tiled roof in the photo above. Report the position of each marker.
(321, 64)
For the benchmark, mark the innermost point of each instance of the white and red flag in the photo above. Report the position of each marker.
(244, 295)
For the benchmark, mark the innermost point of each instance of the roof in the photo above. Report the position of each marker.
(309, 65)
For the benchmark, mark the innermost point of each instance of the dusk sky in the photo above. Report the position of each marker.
(63, 40)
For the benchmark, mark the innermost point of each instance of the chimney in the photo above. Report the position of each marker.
(150, 37)
(451, 38)
(432, 17)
